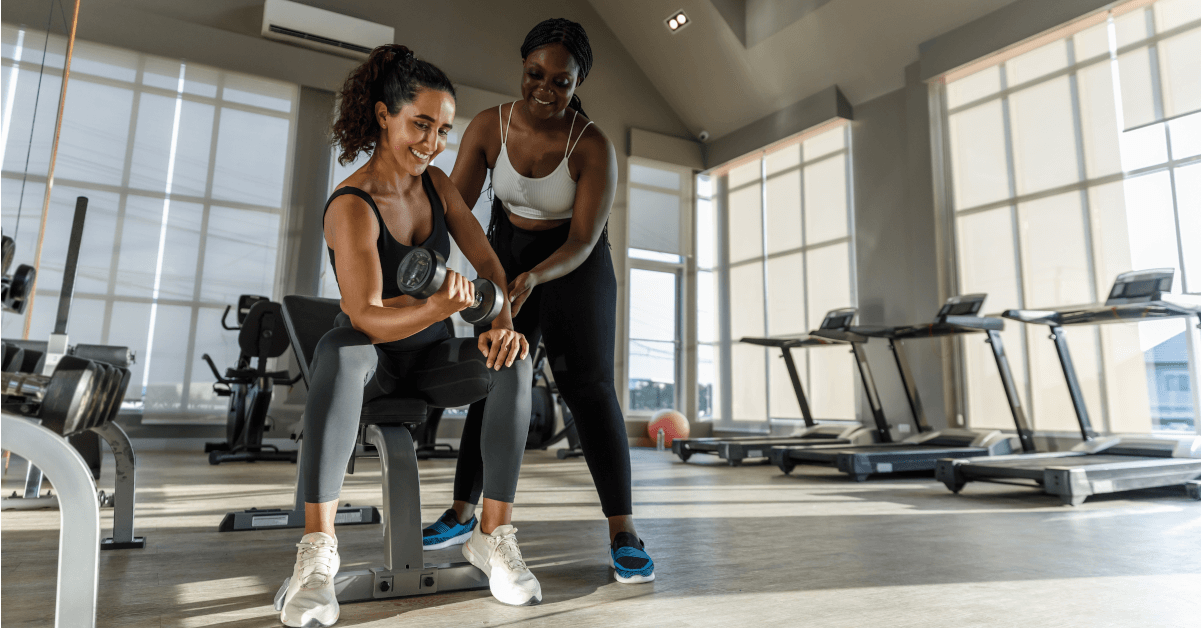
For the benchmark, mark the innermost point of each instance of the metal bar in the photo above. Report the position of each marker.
(883, 430)
(1025, 434)
(725, 350)
(79, 516)
(58, 127)
(33, 481)
(72, 265)
(402, 497)
(766, 284)
(1069, 374)
(125, 491)
(911, 394)
(796, 386)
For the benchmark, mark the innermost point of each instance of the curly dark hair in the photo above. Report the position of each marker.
(392, 74)
(558, 30)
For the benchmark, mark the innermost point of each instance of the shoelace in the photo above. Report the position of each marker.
(507, 546)
(315, 564)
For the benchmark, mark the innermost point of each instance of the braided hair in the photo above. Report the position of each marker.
(562, 31)
(392, 74)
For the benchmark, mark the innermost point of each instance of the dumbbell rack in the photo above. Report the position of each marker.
(84, 394)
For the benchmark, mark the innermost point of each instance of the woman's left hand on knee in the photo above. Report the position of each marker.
(502, 347)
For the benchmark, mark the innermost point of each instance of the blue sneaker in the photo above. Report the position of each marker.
(631, 563)
(447, 531)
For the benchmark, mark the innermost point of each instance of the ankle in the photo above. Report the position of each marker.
(619, 524)
(463, 511)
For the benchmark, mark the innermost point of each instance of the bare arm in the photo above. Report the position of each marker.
(351, 230)
(471, 163)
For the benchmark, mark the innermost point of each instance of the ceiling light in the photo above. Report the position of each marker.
(677, 21)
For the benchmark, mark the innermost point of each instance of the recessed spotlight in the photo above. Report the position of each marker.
(677, 21)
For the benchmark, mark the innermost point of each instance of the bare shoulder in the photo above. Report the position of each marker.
(442, 184)
(593, 145)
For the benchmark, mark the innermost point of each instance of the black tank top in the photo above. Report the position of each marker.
(391, 252)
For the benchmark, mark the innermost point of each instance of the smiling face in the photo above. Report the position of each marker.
(417, 133)
(549, 79)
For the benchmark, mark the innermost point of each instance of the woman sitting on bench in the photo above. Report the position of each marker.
(400, 109)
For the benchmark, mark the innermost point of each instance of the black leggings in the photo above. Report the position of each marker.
(348, 370)
(575, 316)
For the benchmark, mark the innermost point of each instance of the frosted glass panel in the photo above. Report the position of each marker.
(1055, 256)
(832, 380)
(986, 264)
(1092, 42)
(652, 305)
(1138, 104)
(1038, 62)
(1098, 120)
(973, 87)
(152, 145)
(824, 144)
(745, 224)
(829, 281)
(745, 173)
(748, 371)
(784, 212)
(94, 134)
(1126, 379)
(1044, 142)
(786, 295)
(1172, 13)
(1051, 405)
(1188, 199)
(1186, 136)
(164, 389)
(746, 300)
(707, 383)
(1150, 224)
(654, 221)
(783, 403)
(252, 152)
(1180, 72)
(240, 252)
(1143, 147)
(783, 159)
(825, 200)
(656, 177)
(706, 306)
(706, 234)
(987, 406)
(259, 92)
(1131, 27)
(978, 156)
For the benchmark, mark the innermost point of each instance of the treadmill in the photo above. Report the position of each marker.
(1106, 464)
(833, 331)
(921, 452)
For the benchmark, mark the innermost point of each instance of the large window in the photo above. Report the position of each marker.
(186, 168)
(660, 197)
(775, 253)
(1071, 162)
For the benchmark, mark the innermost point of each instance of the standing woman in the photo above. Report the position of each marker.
(554, 175)
(400, 109)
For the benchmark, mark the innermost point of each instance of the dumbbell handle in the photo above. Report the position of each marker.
(30, 385)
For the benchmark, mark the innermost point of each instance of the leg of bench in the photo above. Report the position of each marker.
(79, 516)
(125, 492)
(402, 496)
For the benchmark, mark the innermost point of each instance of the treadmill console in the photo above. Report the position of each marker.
(1140, 286)
(962, 305)
(839, 319)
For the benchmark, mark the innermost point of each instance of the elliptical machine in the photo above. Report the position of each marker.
(261, 335)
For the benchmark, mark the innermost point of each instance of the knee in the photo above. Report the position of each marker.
(520, 374)
(346, 351)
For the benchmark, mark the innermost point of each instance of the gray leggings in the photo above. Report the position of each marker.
(348, 370)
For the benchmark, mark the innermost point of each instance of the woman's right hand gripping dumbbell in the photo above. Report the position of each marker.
(456, 294)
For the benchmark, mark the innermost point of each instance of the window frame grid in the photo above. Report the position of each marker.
(721, 194)
(949, 214)
(184, 414)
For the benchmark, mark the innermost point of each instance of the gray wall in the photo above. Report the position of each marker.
(894, 230)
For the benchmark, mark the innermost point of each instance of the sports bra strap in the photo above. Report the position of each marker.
(567, 151)
(504, 136)
(577, 139)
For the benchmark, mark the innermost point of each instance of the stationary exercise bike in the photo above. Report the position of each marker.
(261, 335)
(542, 413)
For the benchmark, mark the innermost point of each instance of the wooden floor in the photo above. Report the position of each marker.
(738, 547)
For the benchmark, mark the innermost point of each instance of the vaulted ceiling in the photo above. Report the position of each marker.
(719, 74)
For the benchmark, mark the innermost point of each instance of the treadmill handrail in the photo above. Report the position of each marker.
(1167, 306)
(799, 340)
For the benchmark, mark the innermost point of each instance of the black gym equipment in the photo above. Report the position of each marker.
(833, 331)
(1099, 464)
(16, 287)
(76, 392)
(921, 452)
(423, 271)
(249, 385)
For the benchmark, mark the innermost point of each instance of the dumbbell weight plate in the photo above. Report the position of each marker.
(121, 378)
(68, 395)
(18, 288)
(487, 304)
(102, 386)
(421, 273)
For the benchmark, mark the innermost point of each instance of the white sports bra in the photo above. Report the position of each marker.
(537, 198)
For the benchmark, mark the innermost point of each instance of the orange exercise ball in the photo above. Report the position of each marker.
(673, 424)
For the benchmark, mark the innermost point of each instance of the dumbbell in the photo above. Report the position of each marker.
(422, 273)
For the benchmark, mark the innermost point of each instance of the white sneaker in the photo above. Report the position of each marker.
(498, 556)
(310, 601)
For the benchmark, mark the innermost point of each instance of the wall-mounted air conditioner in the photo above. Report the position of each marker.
(323, 30)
